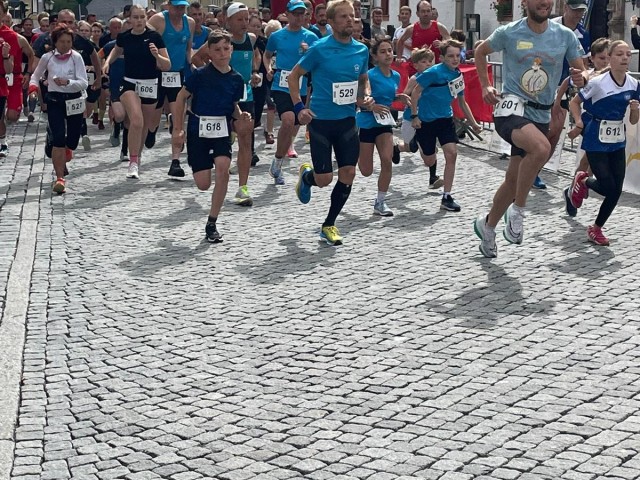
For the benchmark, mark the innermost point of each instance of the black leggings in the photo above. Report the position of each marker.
(65, 130)
(609, 170)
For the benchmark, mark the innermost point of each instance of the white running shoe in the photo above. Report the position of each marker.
(488, 246)
(513, 229)
(132, 171)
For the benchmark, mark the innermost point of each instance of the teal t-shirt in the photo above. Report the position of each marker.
(287, 46)
(435, 101)
(532, 62)
(383, 91)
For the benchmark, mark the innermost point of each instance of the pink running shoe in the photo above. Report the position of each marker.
(595, 235)
(579, 190)
(292, 152)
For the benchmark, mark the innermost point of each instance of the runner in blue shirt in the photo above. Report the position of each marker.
(533, 51)
(605, 100)
(376, 123)
(338, 65)
(288, 45)
(432, 115)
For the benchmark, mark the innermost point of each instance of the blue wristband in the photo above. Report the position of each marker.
(298, 107)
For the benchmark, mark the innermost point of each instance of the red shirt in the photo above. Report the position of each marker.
(11, 37)
(422, 37)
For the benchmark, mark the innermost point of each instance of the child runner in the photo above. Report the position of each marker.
(216, 90)
(606, 98)
(376, 122)
(432, 115)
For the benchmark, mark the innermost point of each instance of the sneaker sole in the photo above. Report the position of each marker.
(504, 232)
(59, 189)
(437, 184)
(214, 240)
(383, 214)
(571, 210)
(115, 142)
(299, 185)
(86, 145)
(337, 243)
(243, 202)
(449, 209)
(487, 255)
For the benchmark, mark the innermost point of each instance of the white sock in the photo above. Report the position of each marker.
(446, 194)
(278, 162)
(381, 196)
(518, 209)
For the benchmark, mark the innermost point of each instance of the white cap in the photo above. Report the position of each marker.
(236, 7)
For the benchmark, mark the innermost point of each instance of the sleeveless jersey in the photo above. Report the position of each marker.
(424, 37)
(242, 62)
(176, 42)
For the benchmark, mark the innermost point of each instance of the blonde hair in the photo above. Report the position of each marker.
(333, 5)
(272, 26)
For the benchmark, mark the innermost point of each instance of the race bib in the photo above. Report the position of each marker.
(509, 105)
(147, 88)
(91, 77)
(284, 78)
(611, 131)
(75, 106)
(456, 86)
(384, 118)
(171, 79)
(345, 93)
(213, 127)
(9, 78)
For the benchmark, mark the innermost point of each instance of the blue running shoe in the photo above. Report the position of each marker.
(538, 184)
(303, 190)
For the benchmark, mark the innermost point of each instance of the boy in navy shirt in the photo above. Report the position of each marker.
(216, 90)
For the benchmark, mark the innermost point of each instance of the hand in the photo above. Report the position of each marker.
(61, 82)
(577, 77)
(634, 105)
(436, 44)
(6, 49)
(416, 123)
(25, 81)
(381, 109)
(633, 21)
(574, 132)
(305, 116)
(153, 49)
(255, 79)
(476, 128)
(367, 103)
(490, 95)
(105, 69)
(245, 116)
(404, 98)
(304, 46)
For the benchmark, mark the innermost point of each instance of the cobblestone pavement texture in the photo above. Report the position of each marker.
(402, 354)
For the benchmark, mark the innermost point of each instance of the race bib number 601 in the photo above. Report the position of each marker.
(509, 105)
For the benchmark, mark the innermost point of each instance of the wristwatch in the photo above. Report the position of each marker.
(414, 116)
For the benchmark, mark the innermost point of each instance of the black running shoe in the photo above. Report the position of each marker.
(212, 234)
(449, 204)
(413, 145)
(175, 170)
(150, 141)
(48, 145)
(254, 160)
(396, 155)
(568, 206)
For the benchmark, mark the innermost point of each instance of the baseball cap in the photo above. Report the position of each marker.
(179, 3)
(295, 4)
(576, 4)
(236, 7)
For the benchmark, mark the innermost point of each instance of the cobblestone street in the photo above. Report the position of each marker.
(403, 354)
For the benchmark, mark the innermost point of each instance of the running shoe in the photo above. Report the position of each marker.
(276, 172)
(114, 137)
(269, 138)
(150, 140)
(579, 190)
(212, 234)
(132, 172)
(568, 206)
(538, 184)
(291, 153)
(4, 150)
(30, 118)
(331, 235)
(513, 229)
(382, 209)
(435, 182)
(94, 118)
(303, 190)
(413, 145)
(488, 246)
(242, 197)
(595, 235)
(86, 143)
(449, 204)
(124, 157)
(175, 170)
(59, 187)
(100, 125)
(396, 154)
(254, 159)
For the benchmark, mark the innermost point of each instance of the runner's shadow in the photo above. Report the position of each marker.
(169, 255)
(275, 270)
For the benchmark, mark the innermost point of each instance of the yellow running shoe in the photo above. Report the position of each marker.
(331, 235)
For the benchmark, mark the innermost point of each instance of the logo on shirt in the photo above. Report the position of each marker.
(356, 68)
(534, 80)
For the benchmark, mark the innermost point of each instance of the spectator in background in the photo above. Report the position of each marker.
(284, 21)
(266, 14)
(403, 52)
(462, 38)
(91, 18)
(376, 23)
(635, 38)
(434, 14)
(97, 31)
(115, 27)
(366, 28)
(43, 23)
(201, 33)
(321, 27)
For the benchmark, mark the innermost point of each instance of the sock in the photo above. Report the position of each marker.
(309, 178)
(279, 162)
(212, 220)
(432, 170)
(134, 159)
(339, 197)
(125, 140)
(381, 196)
(486, 222)
(446, 194)
(518, 209)
(116, 129)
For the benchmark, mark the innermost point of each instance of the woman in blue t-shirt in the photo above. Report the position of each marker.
(605, 100)
(376, 121)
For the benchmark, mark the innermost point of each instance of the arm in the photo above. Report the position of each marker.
(192, 29)
(444, 32)
(7, 58)
(177, 137)
(304, 114)
(257, 60)
(37, 74)
(579, 75)
(115, 53)
(266, 60)
(576, 112)
(162, 58)
(462, 102)
(200, 58)
(633, 111)
(411, 84)
(28, 51)
(97, 67)
(489, 94)
(79, 82)
(415, 96)
(562, 89)
(408, 32)
(157, 23)
(363, 98)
